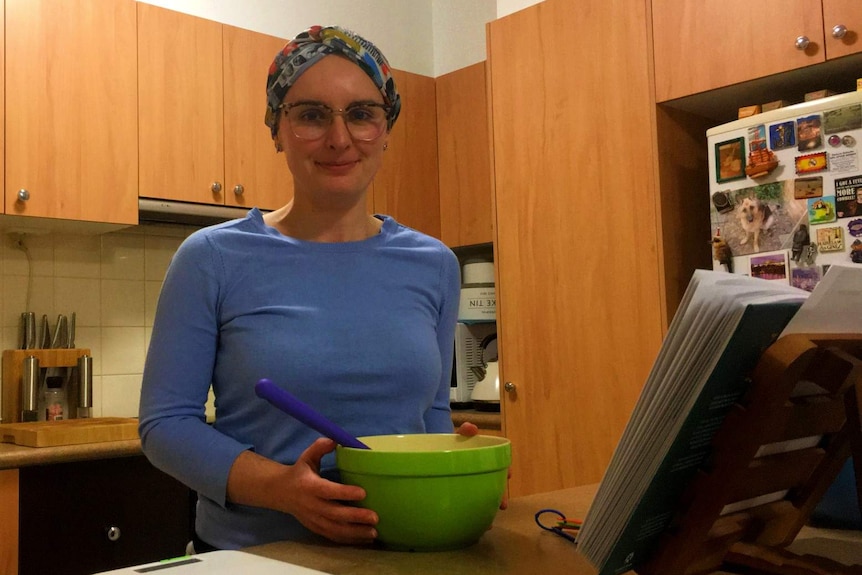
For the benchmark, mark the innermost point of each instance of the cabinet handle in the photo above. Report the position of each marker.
(216, 187)
(509, 386)
(113, 533)
(23, 195)
(802, 42)
(238, 189)
(839, 31)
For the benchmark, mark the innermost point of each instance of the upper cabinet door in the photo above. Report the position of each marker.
(463, 145)
(255, 175)
(406, 185)
(71, 110)
(709, 44)
(842, 20)
(2, 96)
(180, 103)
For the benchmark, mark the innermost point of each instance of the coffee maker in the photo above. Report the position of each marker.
(475, 335)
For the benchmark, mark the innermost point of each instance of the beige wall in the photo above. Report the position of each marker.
(110, 281)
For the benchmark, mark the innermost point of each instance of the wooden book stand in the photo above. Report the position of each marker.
(711, 531)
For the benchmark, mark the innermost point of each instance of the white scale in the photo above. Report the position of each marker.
(217, 563)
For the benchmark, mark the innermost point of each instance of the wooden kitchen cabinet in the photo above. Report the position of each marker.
(201, 105)
(71, 139)
(710, 44)
(406, 185)
(581, 307)
(91, 516)
(464, 157)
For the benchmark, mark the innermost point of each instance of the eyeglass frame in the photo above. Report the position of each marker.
(284, 108)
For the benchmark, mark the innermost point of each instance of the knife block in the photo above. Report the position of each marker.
(13, 369)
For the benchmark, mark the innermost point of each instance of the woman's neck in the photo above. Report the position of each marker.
(327, 226)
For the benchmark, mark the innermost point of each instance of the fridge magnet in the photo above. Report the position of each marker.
(762, 219)
(756, 138)
(821, 210)
(771, 266)
(722, 202)
(854, 228)
(830, 239)
(809, 254)
(843, 161)
(808, 133)
(782, 135)
(811, 163)
(760, 163)
(804, 188)
(805, 278)
(842, 119)
(834, 140)
(721, 252)
(848, 141)
(801, 238)
(856, 252)
(730, 160)
(848, 197)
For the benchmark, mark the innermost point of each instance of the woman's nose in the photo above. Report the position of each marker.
(338, 135)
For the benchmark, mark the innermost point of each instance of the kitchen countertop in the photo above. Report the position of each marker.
(514, 545)
(13, 456)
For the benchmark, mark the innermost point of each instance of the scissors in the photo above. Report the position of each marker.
(561, 525)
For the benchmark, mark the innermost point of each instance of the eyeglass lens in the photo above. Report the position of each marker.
(365, 122)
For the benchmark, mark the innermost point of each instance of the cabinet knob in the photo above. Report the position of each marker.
(238, 189)
(802, 42)
(839, 31)
(509, 386)
(23, 195)
(216, 187)
(113, 533)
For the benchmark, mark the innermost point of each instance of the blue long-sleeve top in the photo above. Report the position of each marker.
(362, 331)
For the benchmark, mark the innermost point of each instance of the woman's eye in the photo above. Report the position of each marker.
(311, 114)
(360, 114)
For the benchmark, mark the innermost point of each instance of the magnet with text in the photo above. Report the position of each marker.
(830, 239)
(848, 197)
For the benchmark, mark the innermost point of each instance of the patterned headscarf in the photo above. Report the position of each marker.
(308, 48)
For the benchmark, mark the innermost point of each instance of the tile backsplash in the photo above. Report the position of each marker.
(111, 282)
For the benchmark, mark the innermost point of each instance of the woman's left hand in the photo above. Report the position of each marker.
(468, 429)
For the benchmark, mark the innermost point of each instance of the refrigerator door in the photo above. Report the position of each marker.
(785, 191)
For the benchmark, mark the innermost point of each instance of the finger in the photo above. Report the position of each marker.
(467, 429)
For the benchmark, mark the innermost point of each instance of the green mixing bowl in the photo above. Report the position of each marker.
(432, 492)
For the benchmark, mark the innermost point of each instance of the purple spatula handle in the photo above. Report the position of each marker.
(289, 404)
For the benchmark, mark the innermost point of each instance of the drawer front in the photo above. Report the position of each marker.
(84, 517)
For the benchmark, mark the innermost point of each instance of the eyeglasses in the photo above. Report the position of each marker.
(310, 121)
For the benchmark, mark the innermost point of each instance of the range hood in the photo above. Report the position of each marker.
(187, 213)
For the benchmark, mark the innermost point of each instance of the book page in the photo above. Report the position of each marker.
(835, 305)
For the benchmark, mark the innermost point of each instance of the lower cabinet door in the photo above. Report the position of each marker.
(84, 517)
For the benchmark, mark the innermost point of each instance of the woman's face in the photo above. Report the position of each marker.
(335, 165)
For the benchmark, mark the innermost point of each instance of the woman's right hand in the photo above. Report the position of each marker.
(298, 489)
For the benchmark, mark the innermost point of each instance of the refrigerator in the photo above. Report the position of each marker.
(785, 191)
(785, 198)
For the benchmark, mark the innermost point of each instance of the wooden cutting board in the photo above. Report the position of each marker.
(69, 431)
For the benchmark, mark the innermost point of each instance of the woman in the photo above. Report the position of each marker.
(353, 313)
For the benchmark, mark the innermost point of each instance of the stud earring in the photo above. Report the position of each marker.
(385, 146)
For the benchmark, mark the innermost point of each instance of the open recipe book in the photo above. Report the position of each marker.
(723, 325)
